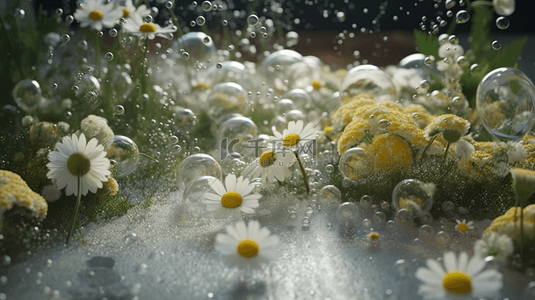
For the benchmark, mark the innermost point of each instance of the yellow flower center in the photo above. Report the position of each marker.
(463, 228)
(316, 84)
(291, 140)
(147, 28)
(231, 200)
(374, 236)
(457, 282)
(96, 15)
(248, 248)
(78, 164)
(267, 159)
(126, 13)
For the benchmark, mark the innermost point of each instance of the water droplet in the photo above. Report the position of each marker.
(108, 56)
(113, 32)
(305, 222)
(462, 61)
(65, 38)
(69, 19)
(169, 4)
(329, 168)
(206, 39)
(192, 23)
(148, 19)
(502, 22)
(253, 34)
(462, 17)
(59, 12)
(496, 45)
(425, 85)
(252, 20)
(185, 55)
(219, 65)
(450, 4)
(200, 20)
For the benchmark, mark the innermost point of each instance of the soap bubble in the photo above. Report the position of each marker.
(196, 188)
(27, 94)
(239, 129)
(505, 101)
(252, 20)
(329, 195)
(276, 64)
(197, 165)
(125, 152)
(224, 98)
(413, 195)
(353, 162)
(118, 110)
(462, 17)
(369, 79)
(200, 20)
(347, 213)
(184, 118)
(193, 43)
(228, 71)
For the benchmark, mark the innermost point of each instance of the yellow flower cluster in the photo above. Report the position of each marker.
(15, 192)
(509, 224)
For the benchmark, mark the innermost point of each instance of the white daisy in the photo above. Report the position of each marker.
(464, 227)
(494, 244)
(51, 193)
(136, 26)
(74, 157)
(272, 165)
(247, 244)
(233, 198)
(461, 278)
(97, 15)
(129, 10)
(295, 135)
(504, 7)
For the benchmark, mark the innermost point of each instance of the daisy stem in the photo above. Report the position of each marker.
(522, 233)
(76, 208)
(305, 178)
(446, 152)
(428, 146)
(175, 20)
(143, 64)
(97, 55)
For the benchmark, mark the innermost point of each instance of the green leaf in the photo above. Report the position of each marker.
(427, 43)
(508, 55)
(482, 17)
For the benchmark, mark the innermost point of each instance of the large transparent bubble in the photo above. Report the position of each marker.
(369, 79)
(414, 196)
(225, 98)
(197, 165)
(198, 46)
(275, 68)
(195, 189)
(236, 136)
(229, 71)
(125, 153)
(506, 103)
(329, 195)
(354, 162)
(27, 94)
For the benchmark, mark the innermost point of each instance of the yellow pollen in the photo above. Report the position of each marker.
(457, 282)
(231, 200)
(126, 13)
(248, 248)
(316, 84)
(96, 15)
(147, 28)
(328, 129)
(291, 140)
(267, 159)
(463, 228)
(374, 236)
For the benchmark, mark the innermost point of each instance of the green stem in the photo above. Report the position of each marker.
(446, 152)
(76, 208)
(305, 178)
(481, 3)
(97, 55)
(10, 43)
(522, 233)
(175, 20)
(143, 64)
(149, 157)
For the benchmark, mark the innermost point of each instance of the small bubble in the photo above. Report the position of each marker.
(108, 56)
(502, 22)
(253, 34)
(69, 19)
(329, 168)
(118, 110)
(148, 19)
(169, 4)
(192, 23)
(185, 55)
(200, 20)
(474, 68)
(59, 12)
(462, 17)
(113, 32)
(176, 148)
(252, 20)
(206, 5)
(65, 38)
(206, 39)
(219, 65)
(496, 45)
